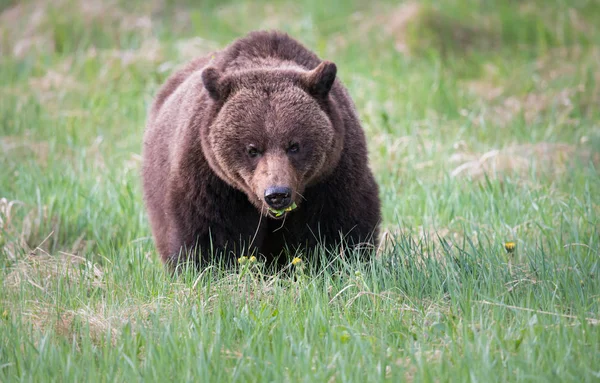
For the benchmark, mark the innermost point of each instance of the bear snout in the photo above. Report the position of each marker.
(278, 197)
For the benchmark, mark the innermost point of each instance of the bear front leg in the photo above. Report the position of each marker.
(346, 220)
(210, 242)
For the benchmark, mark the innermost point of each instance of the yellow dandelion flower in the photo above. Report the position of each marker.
(510, 246)
(252, 259)
(345, 337)
(296, 261)
(242, 260)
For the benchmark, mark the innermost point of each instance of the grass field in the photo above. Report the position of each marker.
(483, 124)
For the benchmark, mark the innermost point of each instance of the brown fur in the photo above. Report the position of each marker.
(204, 193)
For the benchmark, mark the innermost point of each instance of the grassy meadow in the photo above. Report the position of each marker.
(483, 124)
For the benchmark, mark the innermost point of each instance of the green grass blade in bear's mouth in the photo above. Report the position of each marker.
(279, 213)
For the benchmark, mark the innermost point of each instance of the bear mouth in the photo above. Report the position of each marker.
(281, 213)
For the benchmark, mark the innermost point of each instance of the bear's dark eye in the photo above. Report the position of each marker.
(293, 148)
(253, 152)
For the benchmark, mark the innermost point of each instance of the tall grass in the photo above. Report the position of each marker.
(482, 129)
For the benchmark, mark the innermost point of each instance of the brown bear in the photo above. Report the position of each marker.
(256, 150)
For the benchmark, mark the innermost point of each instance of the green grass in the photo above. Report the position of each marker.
(483, 127)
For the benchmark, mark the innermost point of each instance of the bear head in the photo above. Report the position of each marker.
(272, 132)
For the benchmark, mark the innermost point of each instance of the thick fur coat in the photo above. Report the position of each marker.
(264, 112)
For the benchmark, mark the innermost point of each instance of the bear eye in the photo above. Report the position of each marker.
(253, 152)
(294, 148)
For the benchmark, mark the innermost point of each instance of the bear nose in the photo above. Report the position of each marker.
(278, 197)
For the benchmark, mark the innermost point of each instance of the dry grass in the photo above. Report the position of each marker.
(554, 90)
(28, 31)
(531, 107)
(270, 16)
(521, 159)
(418, 28)
(23, 25)
(99, 323)
(73, 324)
(15, 232)
(421, 358)
(194, 47)
(42, 271)
(398, 22)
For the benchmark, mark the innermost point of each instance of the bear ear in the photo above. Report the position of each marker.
(320, 80)
(215, 85)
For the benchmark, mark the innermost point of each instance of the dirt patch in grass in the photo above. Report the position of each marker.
(522, 159)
